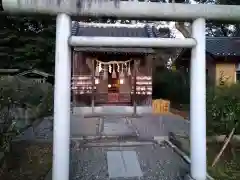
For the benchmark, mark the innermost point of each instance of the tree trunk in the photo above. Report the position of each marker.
(224, 147)
(183, 29)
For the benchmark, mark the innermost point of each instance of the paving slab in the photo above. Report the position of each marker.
(49, 175)
(148, 126)
(116, 126)
(81, 126)
(127, 166)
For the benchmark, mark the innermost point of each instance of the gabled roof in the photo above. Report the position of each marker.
(8, 71)
(223, 46)
(118, 30)
(21, 72)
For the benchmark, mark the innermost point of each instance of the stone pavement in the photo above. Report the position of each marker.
(143, 162)
(116, 126)
(152, 161)
(84, 126)
(39, 131)
(176, 124)
(144, 126)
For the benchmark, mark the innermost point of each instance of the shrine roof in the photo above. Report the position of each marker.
(118, 30)
(223, 46)
(216, 47)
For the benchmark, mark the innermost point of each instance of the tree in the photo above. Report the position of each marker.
(27, 42)
(213, 28)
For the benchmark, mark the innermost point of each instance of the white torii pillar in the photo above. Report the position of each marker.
(62, 94)
(198, 101)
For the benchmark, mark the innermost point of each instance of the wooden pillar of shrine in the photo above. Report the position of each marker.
(93, 85)
(134, 90)
(74, 73)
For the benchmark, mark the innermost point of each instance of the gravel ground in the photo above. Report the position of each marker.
(27, 161)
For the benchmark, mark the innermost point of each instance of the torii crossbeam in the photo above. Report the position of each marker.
(125, 9)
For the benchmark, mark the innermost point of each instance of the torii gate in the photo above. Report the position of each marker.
(198, 13)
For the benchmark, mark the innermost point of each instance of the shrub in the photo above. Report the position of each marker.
(223, 109)
(223, 102)
(171, 85)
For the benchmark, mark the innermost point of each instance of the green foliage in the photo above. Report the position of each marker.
(223, 109)
(171, 85)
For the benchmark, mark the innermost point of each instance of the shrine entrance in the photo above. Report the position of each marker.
(119, 84)
(114, 82)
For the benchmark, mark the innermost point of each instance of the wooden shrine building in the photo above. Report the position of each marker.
(113, 76)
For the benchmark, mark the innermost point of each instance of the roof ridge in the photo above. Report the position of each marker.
(101, 29)
(117, 25)
(224, 37)
(75, 28)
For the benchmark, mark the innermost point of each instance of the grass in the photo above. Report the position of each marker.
(228, 167)
(28, 161)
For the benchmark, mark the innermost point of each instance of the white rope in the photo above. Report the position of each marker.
(113, 62)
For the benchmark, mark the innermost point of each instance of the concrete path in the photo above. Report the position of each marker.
(145, 126)
(149, 161)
